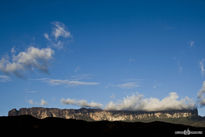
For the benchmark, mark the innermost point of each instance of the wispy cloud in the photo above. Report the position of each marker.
(30, 101)
(59, 30)
(47, 36)
(191, 43)
(155, 86)
(128, 85)
(13, 51)
(81, 103)
(31, 59)
(41, 103)
(131, 60)
(4, 78)
(77, 69)
(58, 36)
(202, 67)
(67, 82)
(138, 102)
(180, 67)
(201, 95)
(81, 77)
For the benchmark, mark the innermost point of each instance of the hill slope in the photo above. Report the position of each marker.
(48, 126)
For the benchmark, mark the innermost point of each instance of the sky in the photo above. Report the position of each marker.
(119, 55)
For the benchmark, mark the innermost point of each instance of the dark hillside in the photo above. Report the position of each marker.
(28, 124)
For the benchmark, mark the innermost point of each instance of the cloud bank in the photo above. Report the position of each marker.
(201, 96)
(31, 59)
(81, 103)
(137, 102)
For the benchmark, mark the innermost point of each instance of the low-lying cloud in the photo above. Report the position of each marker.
(31, 59)
(81, 103)
(41, 103)
(137, 102)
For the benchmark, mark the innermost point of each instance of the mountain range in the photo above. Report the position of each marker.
(185, 116)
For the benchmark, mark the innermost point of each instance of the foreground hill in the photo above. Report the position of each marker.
(28, 124)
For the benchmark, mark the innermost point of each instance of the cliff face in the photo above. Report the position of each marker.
(98, 115)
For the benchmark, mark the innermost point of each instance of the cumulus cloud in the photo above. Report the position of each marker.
(128, 85)
(201, 96)
(31, 59)
(202, 68)
(58, 36)
(4, 78)
(137, 102)
(81, 103)
(67, 82)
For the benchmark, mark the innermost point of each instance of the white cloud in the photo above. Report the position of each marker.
(31, 102)
(59, 30)
(81, 103)
(202, 67)
(4, 78)
(131, 60)
(77, 69)
(13, 51)
(67, 82)
(32, 58)
(128, 85)
(43, 102)
(180, 67)
(201, 95)
(59, 35)
(112, 96)
(155, 86)
(191, 43)
(46, 36)
(139, 103)
(81, 77)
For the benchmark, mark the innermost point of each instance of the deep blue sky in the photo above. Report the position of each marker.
(155, 45)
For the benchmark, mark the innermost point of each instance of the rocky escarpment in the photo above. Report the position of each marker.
(99, 115)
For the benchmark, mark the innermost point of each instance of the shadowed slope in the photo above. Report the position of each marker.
(23, 124)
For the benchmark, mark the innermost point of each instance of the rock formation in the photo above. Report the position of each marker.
(99, 115)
